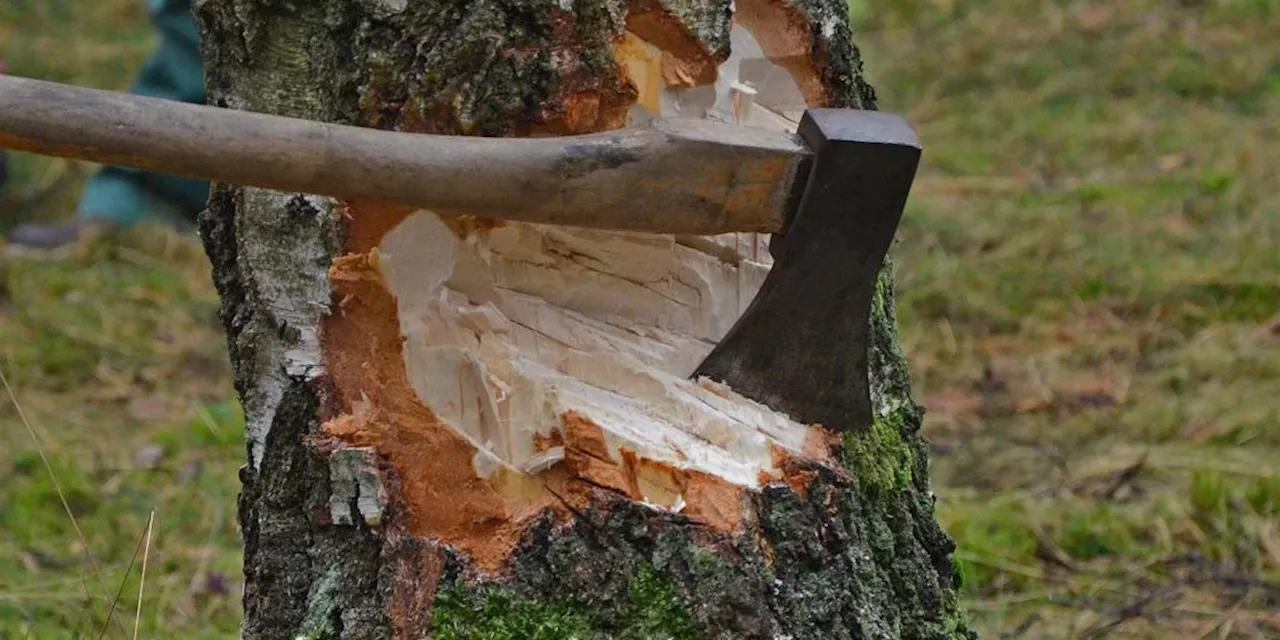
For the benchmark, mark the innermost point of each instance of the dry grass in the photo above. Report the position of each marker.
(1089, 292)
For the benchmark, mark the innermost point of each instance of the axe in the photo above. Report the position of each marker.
(832, 194)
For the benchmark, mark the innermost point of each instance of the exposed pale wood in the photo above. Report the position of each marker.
(505, 332)
(687, 176)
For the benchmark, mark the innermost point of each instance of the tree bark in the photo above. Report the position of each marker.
(558, 498)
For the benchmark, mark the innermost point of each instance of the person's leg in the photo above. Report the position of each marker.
(173, 72)
(121, 196)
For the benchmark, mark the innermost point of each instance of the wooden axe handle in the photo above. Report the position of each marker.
(669, 176)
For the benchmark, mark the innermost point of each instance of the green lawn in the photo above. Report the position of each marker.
(1089, 291)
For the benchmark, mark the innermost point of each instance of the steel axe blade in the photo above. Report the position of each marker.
(801, 346)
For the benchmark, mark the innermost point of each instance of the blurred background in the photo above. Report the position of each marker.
(1088, 288)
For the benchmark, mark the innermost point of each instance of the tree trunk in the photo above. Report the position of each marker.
(465, 428)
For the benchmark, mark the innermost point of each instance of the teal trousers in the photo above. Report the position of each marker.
(174, 71)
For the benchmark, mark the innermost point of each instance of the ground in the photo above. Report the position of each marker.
(1088, 287)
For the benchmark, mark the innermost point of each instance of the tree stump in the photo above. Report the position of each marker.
(460, 427)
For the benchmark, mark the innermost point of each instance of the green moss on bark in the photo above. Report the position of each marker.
(499, 614)
(884, 458)
(880, 458)
(653, 610)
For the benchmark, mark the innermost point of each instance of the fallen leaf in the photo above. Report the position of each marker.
(149, 408)
(1089, 401)
(1171, 161)
(1032, 405)
(215, 583)
(1094, 17)
(1199, 433)
(148, 457)
(189, 471)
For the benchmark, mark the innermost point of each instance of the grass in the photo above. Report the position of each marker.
(1089, 290)
(119, 362)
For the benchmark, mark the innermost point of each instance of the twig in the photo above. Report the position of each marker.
(142, 580)
(1135, 609)
(1024, 626)
(1223, 620)
(119, 592)
(1126, 476)
(1002, 564)
(207, 418)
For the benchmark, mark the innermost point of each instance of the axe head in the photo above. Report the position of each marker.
(801, 347)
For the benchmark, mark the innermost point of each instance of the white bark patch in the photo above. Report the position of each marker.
(355, 480)
(303, 360)
(284, 273)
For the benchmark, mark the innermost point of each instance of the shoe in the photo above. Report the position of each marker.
(51, 240)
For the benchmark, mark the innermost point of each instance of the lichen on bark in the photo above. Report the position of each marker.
(853, 553)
